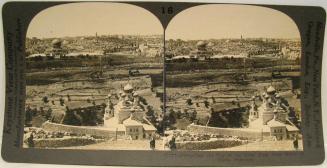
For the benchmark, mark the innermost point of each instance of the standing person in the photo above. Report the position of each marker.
(164, 142)
(296, 143)
(172, 144)
(152, 143)
(30, 140)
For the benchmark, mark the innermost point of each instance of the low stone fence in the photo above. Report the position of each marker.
(63, 142)
(239, 132)
(210, 144)
(106, 133)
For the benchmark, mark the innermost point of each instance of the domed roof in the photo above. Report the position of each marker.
(65, 42)
(56, 41)
(135, 94)
(128, 87)
(131, 122)
(271, 89)
(210, 44)
(201, 44)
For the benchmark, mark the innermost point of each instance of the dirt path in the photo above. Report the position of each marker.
(286, 145)
(121, 145)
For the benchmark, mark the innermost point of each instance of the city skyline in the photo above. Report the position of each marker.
(231, 21)
(227, 23)
(85, 19)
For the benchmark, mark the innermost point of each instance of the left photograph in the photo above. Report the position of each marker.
(94, 78)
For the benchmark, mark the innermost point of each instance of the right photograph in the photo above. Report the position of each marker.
(233, 80)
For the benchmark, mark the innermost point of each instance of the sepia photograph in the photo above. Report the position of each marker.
(233, 79)
(94, 78)
(163, 84)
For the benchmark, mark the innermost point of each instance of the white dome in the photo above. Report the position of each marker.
(201, 44)
(128, 87)
(271, 89)
(210, 44)
(55, 41)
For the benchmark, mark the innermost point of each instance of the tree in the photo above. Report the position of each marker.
(150, 114)
(213, 99)
(150, 111)
(45, 99)
(62, 101)
(206, 103)
(189, 102)
(143, 100)
(172, 116)
(71, 118)
(193, 115)
(179, 114)
(48, 114)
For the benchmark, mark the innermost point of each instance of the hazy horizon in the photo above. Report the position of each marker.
(87, 18)
(204, 22)
(223, 21)
(99, 35)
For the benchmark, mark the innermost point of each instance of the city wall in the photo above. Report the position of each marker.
(106, 133)
(239, 132)
(212, 144)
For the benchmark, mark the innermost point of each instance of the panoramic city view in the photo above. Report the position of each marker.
(232, 82)
(96, 82)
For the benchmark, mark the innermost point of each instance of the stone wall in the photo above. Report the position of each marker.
(106, 133)
(63, 142)
(211, 144)
(141, 82)
(239, 132)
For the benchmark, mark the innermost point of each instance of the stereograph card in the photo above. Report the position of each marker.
(163, 84)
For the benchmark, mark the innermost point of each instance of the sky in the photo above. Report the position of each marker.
(200, 22)
(80, 19)
(231, 21)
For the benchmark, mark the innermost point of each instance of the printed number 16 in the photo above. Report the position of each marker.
(167, 10)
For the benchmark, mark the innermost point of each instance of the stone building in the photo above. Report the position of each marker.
(128, 115)
(201, 52)
(57, 51)
(271, 117)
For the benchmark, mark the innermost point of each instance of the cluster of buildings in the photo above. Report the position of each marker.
(271, 117)
(128, 116)
(148, 46)
(125, 117)
(268, 114)
(236, 48)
